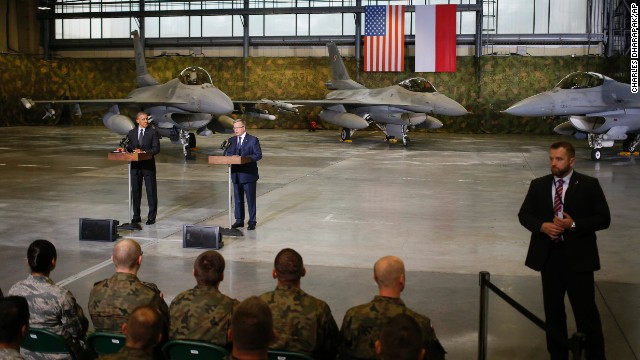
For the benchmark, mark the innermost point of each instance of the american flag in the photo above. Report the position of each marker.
(384, 38)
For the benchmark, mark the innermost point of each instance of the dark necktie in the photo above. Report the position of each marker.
(140, 136)
(557, 200)
(557, 204)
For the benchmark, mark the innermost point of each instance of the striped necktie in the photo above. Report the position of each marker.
(558, 205)
(557, 200)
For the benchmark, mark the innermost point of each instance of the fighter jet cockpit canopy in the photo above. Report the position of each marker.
(418, 85)
(195, 75)
(581, 80)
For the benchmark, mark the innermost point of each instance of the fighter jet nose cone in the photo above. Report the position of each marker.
(222, 103)
(228, 106)
(453, 108)
(537, 105)
(460, 111)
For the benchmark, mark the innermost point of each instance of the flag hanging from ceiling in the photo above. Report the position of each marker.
(384, 38)
(436, 38)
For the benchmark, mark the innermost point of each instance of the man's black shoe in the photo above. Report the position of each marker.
(237, 225)
(251, 227)
(151, 221)
(136, 220)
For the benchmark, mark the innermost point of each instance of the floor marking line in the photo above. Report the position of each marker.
(99, 266)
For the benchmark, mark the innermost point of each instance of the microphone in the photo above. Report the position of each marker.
(124, 142)
(224, 146)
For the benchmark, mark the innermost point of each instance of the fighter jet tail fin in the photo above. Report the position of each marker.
(143, 77)
(338, 70)
(340, 75)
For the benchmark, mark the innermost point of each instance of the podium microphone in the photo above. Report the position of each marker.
(225, 145)
(124, 142)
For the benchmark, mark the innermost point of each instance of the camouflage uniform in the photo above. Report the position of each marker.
(112, 300)
(53, 308)
(302, 323)
(202, 314)
(127, 354)
(10, 354)
(362, 324)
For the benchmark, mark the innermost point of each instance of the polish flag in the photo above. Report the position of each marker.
(435, 38)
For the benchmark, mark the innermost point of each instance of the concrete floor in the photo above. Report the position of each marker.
(447, 205)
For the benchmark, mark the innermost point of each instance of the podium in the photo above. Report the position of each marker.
(230, 160)
(125, 156)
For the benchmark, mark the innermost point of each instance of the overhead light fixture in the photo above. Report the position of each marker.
(44, 5)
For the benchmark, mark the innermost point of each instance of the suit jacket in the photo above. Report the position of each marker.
(150, 144)
(250, 147)
(584, 201)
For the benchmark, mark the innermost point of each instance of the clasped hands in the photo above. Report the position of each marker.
(558, 226)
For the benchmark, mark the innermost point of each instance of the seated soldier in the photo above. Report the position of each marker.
(112, 300)
(203, 313)
(51, 307)
(362, 324)
(14, 323)
(251, 330)
(143, 331)
(305, 324)
(400, 339)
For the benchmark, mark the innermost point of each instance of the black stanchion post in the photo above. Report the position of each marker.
(484, 314)
(577, 346)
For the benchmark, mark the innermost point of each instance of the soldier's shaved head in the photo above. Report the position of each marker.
(388, 273)
(208, 268)
(288, 265)
(126, 253)
(143, 328)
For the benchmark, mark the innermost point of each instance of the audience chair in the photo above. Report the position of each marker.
(45, 342)
(184, 349)
(105, 343)
(287, 355)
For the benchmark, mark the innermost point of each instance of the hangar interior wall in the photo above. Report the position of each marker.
(484, 86)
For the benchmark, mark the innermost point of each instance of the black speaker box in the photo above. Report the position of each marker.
(208, 237)
(98, 229)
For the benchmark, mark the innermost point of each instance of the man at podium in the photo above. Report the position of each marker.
(143, 139)
(244, 176)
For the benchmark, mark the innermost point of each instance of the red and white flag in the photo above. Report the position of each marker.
(384, 38)
(436, 38)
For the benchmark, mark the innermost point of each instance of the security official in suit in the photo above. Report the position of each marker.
(143, 139)
(245, 176)
(563, 211)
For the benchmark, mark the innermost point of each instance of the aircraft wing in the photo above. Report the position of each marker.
(28, 103)
(323, 102)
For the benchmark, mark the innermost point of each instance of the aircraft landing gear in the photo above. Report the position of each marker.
(185, 140)
(405, 140)
(631, 142)
(192, 140)
(596, 154)
(345, 135)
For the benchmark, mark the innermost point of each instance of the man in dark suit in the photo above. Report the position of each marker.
(563, 211)
(144, 139)
(245, 176)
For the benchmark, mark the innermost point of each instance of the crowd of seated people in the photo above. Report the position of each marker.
(285, 319)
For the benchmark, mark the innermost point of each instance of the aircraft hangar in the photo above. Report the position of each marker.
(446, 203)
